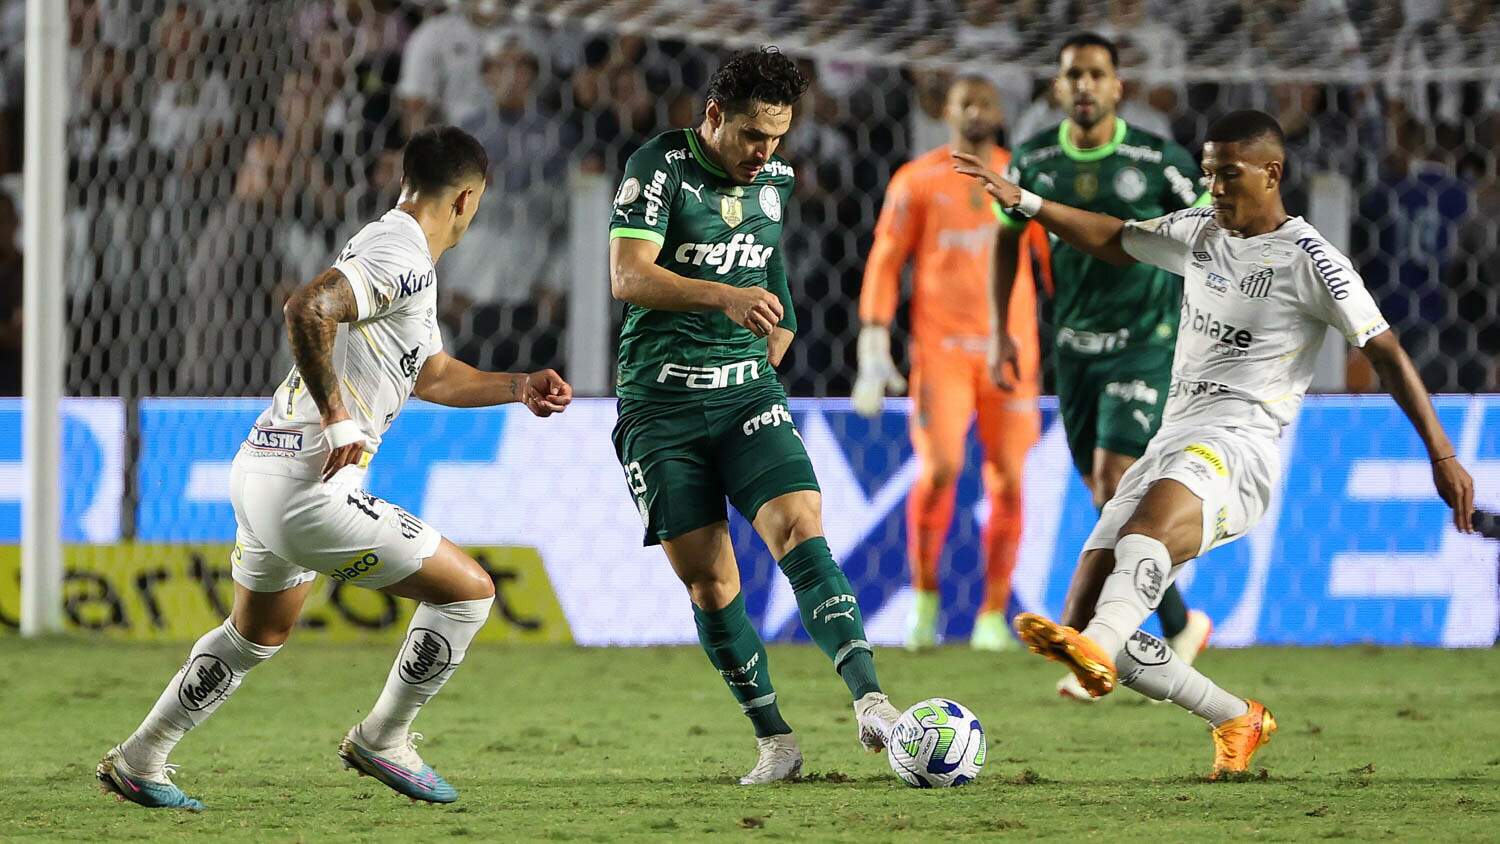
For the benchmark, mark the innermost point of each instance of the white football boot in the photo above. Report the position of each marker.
(1194, 636)
(1068, 688)
(780, 759)
(876, 717)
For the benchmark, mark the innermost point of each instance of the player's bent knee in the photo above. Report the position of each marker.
(712, 594)
(940, 474)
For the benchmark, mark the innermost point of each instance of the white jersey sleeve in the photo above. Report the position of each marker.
(382, 271)
(1164, 241)
(1336, 294)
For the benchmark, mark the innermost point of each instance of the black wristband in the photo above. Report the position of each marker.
(1441, 459)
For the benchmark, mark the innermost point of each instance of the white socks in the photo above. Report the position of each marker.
(1143, 570)
(1148, 666)
(213, 671)
(436, 641)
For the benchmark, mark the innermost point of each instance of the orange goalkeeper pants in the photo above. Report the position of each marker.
(949, 387)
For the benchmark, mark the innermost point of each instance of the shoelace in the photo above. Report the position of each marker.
(170, 769)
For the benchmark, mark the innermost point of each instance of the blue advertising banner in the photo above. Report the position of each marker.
(1355, 548)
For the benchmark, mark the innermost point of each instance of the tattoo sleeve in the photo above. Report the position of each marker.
(313, 315)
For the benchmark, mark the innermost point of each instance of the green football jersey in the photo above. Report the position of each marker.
(712, 229)
(1100, 308)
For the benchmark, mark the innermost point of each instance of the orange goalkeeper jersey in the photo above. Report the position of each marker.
(944, 221)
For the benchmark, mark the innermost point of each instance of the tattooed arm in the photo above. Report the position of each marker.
(446, 380)
(313, 315)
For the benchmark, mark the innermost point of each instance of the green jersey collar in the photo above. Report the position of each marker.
(703, 159)
(1095, 153)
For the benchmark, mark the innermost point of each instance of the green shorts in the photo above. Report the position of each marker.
(1113, 402)
(682, 459)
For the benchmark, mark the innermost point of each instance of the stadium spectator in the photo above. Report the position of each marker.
(441, 73)
(1407, 242)
(503, 290)
(191, 104)
(1466, 36)
(236, 284)
(10, 298)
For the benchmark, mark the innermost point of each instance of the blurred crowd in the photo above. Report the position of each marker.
(219, 153)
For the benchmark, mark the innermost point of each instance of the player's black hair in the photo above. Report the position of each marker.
(440, 157)
(765, 76)
(1245, 125)
(1091, 39)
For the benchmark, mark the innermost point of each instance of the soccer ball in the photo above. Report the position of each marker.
(936, 743)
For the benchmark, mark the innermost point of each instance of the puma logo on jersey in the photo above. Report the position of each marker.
(770, 418)
(740, 251)
(697, 192)
(1144, 418)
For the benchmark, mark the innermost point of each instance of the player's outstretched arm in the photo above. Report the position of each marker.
(313, 314)
(446, 380)
(1004, 360)
(1096, 234)
(1400, 379)
(634, 277)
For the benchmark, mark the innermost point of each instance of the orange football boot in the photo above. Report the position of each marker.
(1088, 662)
(1236, 740)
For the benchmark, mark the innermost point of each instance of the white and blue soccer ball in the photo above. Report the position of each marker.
(935, 744)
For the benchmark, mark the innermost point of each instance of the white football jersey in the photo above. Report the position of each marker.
(376, 359)
(1254, 314)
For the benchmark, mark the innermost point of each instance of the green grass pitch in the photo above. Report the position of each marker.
(555, 743)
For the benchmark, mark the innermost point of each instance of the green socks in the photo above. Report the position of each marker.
(830, 613)
(736, 650)
(1172, 612)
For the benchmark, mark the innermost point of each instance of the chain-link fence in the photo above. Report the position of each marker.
(220, 153)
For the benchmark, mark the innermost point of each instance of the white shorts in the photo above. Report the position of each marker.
(1231, 470)
(289, 529)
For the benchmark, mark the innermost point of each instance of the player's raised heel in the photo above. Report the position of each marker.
(1193, 639)
(1236, 740)
(153, 792)
(780, 759)
(399, 768)
(1093, 668)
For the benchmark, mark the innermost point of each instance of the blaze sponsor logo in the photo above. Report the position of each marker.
(356, 568)
(275, 439)
(710, 377)
(426, 655)
(1209, 456)
(205, 679)
(1334, 276)
(740, 251)
(1257, 285)
(655, 198)
(770, 418)
(828, 613)
(1232, 340)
